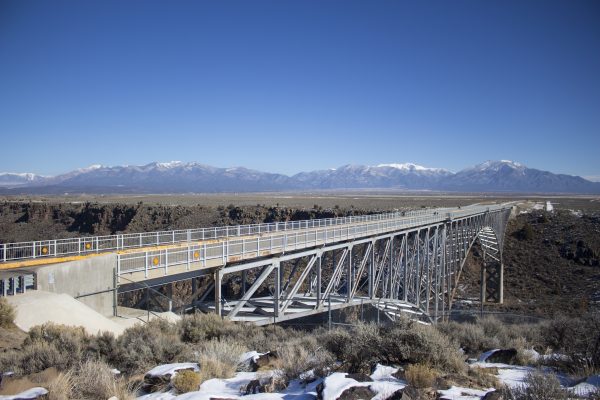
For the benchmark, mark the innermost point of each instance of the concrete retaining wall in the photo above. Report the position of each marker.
(82, 279)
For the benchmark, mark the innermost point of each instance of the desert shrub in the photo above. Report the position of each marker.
(61, 388)
(144, 346)
(94, 380)
(103, 347)
(10, 361)
(420, 375)
(578, 339)
(300, 355)
(470, 337)
(409, 342)
(525, 233)
(38, 356)
(358, 348)
(67, 339)
(186, 381)
(7, 313)
(200, 327)
(489, 333)
(537, 386)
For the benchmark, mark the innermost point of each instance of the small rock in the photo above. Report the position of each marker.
(320, 387)
(266, 359)
(253, 387)
(495, 395)
(400, 394)
(357, 393)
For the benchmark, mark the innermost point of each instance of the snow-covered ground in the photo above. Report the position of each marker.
(384, 385)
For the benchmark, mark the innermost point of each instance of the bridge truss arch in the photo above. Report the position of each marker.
(412, 270)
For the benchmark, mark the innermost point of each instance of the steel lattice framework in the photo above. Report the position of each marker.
(412, 269)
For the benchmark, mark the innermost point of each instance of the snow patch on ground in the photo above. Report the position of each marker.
(461, 393)
(32, 393)
(171, 369)
(590, 385)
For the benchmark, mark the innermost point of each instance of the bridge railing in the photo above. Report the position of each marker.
(97, 244)
(251, 247)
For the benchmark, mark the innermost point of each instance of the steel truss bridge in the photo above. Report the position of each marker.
(400, 262)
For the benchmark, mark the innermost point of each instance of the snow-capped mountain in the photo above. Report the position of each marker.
(399, 176)
(158, 177)
(9, 179)
(192, 177)
(510, 176)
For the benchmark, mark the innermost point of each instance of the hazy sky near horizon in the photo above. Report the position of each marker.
(289, 86)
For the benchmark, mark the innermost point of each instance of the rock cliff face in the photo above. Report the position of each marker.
(552, 264)
(37, 221)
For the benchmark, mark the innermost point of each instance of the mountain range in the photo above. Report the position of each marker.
(180, 177)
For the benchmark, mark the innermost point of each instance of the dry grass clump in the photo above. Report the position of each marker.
(94, 380)
(420, 375)
(7, 313)
(62, 387)
(219, 359)
(186, 381)
(91, 380)
(537, 386)
(301, 355)
(484, 377)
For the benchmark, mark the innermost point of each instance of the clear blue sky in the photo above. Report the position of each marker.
(286, 86)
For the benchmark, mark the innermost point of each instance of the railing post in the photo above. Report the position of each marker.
(55, 249)
(4, 257)
(33, 249)
(166, 261)
(188, 257)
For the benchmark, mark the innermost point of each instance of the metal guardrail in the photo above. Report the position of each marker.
(97, 244)
(288, 240)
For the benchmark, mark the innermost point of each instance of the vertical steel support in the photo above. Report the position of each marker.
(218, 277)
(349, 276)
(501, 283)
(391, 269)
(372, 271)
(319, 265)
(115, 286)
(406, 269)
(277, 289)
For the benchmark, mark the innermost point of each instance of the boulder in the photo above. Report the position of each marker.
(358, 377)
(503, 356)
(402, 394)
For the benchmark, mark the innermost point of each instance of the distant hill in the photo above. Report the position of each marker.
(179, 177)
